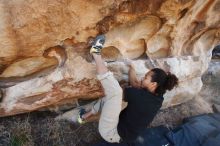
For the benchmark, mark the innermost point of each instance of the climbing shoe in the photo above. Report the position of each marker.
(80, 119)
(97, 44)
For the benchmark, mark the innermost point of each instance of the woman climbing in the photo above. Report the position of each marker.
(144, 99)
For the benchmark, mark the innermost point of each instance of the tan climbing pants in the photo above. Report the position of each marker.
(110, 107)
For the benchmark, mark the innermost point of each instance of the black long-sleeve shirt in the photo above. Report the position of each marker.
(142, 108)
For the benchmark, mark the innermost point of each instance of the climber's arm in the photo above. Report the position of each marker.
(134, 82)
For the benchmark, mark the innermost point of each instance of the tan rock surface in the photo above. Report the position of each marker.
(130, 38)
(159, 45)
(29, 27)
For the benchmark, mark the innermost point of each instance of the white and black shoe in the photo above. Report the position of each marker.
(98, 44)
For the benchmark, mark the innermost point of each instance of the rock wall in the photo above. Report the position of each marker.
(178, 36)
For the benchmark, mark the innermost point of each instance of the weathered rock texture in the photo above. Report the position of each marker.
(177, 35)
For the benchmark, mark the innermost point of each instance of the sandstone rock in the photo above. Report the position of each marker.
(216, 108)
(111, 54)
(212, 75)
(75, 80)
(37, 94)
(26, 69)
(61, 87)
(28, 28)
(159, 45)
(69, 42)
(193, 23)
(1, 95)
(206, 43)
(130, 38)
(173, 11)
(211, 82)
(28, 66)
(33, 67)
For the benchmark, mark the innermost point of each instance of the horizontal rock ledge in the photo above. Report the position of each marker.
(46, 92)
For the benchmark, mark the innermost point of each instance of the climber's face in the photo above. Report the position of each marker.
(147, 83)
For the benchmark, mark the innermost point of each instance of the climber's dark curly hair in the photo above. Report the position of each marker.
(165, 81)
